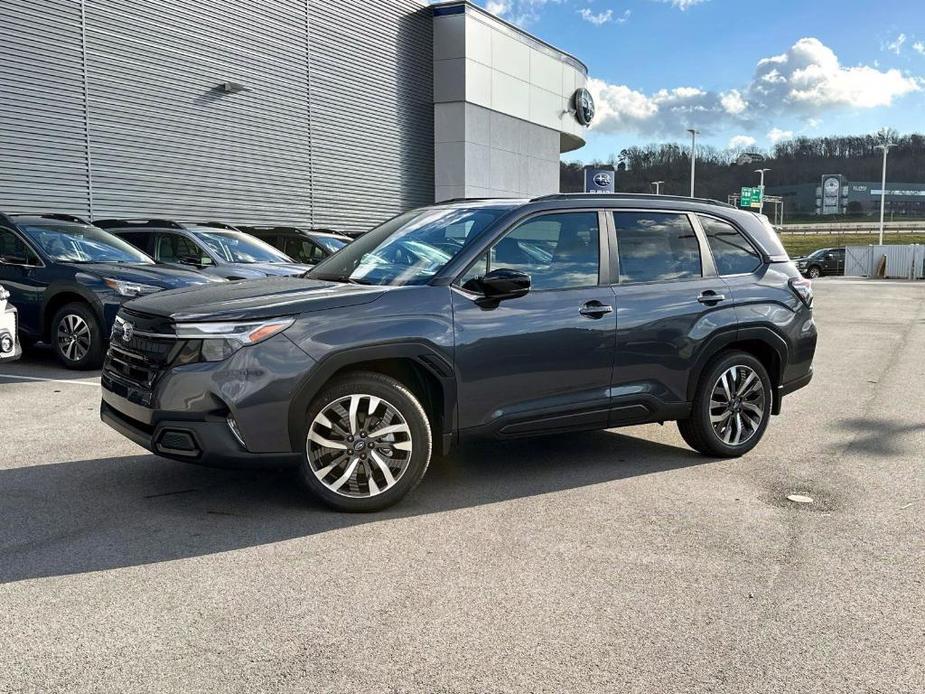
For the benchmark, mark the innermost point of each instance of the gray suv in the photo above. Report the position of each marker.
(473, 318)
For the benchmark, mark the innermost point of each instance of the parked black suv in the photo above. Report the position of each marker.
(68, 278)
(471, 318)
(213, 248)
(309, 246)
(825, 261)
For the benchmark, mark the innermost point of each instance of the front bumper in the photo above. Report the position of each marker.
(187, 411)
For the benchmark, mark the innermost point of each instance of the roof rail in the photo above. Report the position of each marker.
(213, 225)
(145, 223)
(631, 196)
(268, 227)
(52, 215)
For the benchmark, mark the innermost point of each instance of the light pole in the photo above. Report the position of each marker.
(886, 148)
(761, 202)
(658, 186)
(694, 134)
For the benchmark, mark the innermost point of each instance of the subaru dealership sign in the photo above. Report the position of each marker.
(599, 179)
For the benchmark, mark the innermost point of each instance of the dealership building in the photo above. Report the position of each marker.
(835, 194)
(324, 113)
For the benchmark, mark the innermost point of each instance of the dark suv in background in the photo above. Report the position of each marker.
(68, 278)
(303, 245)
(215, 249)
(498, 318)
(825, 261)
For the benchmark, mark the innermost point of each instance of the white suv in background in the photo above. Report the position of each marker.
(9, 346)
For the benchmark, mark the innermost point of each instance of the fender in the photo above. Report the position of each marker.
(57, 289)
(720, 341)
(423, 354)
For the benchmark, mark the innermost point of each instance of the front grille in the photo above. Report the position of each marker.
(141, 359)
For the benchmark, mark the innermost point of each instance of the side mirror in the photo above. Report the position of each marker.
(502, 284)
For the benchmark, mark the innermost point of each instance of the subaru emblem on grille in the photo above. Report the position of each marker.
(128, 332)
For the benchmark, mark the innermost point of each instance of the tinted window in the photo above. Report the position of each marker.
(302, 249)
(139, 239)
(237, 247)
(655, 246)
(558, 251)
(13, 249)
(732, 254)
(331, 243)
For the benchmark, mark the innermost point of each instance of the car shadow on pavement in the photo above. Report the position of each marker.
(38, 362)
(92, 515)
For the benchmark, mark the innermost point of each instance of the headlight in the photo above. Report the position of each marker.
(130, 288)
(220, 340)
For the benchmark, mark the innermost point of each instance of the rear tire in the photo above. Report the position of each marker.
(77, 337)
(367, 444)
(731, 408)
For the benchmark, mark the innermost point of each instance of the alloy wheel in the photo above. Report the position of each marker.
(359, 446)
(814, 273)
(737, 405)
(74, 337)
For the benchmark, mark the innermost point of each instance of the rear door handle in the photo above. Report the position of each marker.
(710, 297)
(595, 309)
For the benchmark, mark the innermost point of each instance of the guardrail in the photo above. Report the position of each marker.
(854, 228)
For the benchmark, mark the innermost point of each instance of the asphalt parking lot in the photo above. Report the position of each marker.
(614, 561)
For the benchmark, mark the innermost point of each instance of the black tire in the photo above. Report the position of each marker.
(814, 272)
(77, 357)
(698, 430)
(394, 394)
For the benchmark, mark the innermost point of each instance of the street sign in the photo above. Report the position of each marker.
(750, 197)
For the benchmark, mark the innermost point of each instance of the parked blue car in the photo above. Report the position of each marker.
(68, 279)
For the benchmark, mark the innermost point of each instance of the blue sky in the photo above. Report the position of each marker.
(745, 73)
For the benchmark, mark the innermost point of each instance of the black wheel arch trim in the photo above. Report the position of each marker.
(731, 336)
(425, 355)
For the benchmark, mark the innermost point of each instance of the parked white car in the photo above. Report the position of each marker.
(9, 345)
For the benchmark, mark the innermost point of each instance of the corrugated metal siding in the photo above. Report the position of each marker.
(166, 142)
(371, 77)
(163, 141)
(43, 144)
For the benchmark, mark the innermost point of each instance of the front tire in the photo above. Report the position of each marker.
(731, 408)
(814, 273)
(367, 444)
(77, 337)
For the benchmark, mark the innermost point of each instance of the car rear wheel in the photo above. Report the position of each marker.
(814, 272)
(77, 337)
(731, 408)
(368, 443)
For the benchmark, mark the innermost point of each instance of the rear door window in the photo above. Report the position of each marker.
(732, 253)
(656, 247)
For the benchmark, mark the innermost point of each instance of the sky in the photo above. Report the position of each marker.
(747, 74)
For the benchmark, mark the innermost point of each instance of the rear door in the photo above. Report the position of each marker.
(541, 362)
(669, 303)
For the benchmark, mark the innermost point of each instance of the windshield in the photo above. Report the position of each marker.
(83, 243)
(237, 247)
(409, 249)
(818, 254)
(330, 243)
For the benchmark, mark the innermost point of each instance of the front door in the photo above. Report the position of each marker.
(669, 301)
(20, 274)
(541, 362)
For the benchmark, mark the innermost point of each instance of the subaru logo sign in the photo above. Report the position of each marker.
(603, 180)
(583, 104)
(128, 332)
(599, 179)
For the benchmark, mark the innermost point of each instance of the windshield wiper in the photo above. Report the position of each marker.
(344, 279)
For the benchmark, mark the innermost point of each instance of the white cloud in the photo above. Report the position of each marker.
(742, 142)
(598, 18)
(497, 7)
(683, 4)
(919, 47)
(803, 82)
(896, 45)
(520, 12)
(625, 17)
(776, 135)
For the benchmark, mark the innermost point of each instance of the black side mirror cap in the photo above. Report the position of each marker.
(502, 284)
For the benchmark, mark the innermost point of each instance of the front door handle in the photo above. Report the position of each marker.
(710, 297)
(595, 309)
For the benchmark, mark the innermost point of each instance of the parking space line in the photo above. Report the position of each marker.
(51, 380)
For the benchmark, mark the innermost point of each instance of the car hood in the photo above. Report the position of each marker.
(254, 299)
(155, 275)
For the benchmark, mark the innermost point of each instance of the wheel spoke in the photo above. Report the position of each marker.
(386, 470)
(746, 383)
(325, 471)
(717, 418)
(346, 476)
(725, 382)
(354, 404)
(373, 405)
(394, 429)
(327, 443)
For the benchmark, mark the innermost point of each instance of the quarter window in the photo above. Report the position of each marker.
(558, 251)
(732, 254)
(14, 251)
(656, 247)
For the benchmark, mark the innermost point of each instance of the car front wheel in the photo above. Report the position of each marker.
(814, 272)
(77, 337)
(731, 408)
(368, 443)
